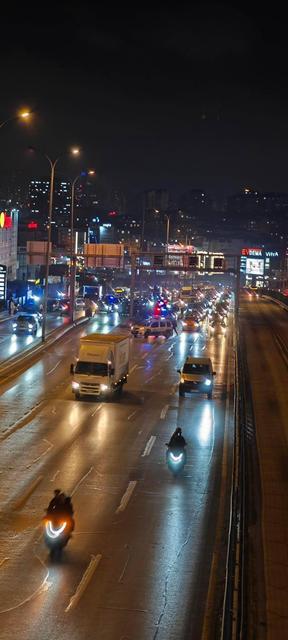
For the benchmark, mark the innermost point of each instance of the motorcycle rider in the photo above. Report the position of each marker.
(177, 440)
(61, 505)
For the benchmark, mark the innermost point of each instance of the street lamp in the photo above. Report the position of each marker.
(22, 115)
(91, 172)
(167, 231)
(74, 151)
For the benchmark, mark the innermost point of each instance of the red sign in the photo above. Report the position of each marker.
(32, 225)
(5, 221)
(254, 251)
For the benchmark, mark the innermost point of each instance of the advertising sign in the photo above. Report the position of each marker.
(3, 281)
(255, 266)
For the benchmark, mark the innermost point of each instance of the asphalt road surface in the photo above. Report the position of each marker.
(264, 329)
(147, 554)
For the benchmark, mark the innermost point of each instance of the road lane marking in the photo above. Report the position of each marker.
(55, 475)
(51, 370)
(120, 579)
(164, 411)
(50, 446)
(133, 368)
(80, 481)
(19, 424)
(3, 561)
(126, 496)
(98, 409)
(149, 446)
(132, 414)
(21, 501)
(83, 584)
(173, 389)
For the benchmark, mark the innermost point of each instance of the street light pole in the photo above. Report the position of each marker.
(52, 163)
(23, 115)
(48, 248)
(73, 256)
(167, 232)
(72, 253)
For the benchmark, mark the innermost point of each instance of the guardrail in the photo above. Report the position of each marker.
(234, 619)
(245, 514)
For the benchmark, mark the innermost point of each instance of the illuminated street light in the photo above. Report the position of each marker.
(74, 151)
(90, 172)
(22, 115)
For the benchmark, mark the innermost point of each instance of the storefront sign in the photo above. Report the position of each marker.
(5, 221)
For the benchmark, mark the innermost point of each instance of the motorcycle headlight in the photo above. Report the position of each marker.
(75, 385)
(103, 387)
(176, 458)
(207, 382)
(54, 532)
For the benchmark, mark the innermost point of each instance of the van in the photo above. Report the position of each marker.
(196, 375)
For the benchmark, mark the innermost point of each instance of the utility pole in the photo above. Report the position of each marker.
(132, 285)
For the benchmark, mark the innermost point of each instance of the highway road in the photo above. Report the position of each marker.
(148, 552)
(11, 344)
(264, 333)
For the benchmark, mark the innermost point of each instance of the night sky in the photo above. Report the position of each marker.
(178, 98)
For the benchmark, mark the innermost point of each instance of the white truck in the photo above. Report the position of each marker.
(102, 366)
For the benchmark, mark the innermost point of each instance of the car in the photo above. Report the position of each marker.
(190, 323)
(196, 375)
(25, 323)
(33, 311)
(139, 328)
(158, 327)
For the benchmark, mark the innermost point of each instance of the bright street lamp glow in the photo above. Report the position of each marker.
(75, 151)
(24, 114)
(91, 172)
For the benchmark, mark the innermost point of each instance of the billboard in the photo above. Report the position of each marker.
(255, 266)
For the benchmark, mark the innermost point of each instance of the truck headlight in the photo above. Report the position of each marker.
(75, 385)
(207, 382)
(103, 387)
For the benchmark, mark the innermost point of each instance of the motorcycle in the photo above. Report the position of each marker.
(57, 532)
(176, 459)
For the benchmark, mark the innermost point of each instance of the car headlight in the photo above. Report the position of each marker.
(103, 387)
(75, 385)
(182, 380)
(30, 326)
(207, 382)
(14, 325)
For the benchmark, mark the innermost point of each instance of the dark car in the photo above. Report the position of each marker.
(25, 323)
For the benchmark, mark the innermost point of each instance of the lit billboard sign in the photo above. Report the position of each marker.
(5, 221)
(253, 252)
(3, 281)
(254, 267)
